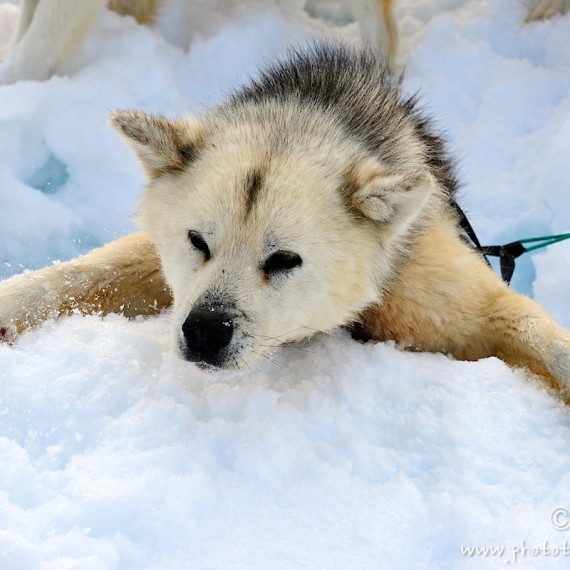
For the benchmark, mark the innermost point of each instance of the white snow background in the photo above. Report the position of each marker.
(336, 455)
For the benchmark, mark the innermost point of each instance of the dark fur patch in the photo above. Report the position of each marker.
(358, 89)
(182, 153)
(350, 185)
(188, 154)
(253, 185)
(6, 335)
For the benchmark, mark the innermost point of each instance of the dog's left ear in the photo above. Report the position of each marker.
(161, 145)
(385, 196)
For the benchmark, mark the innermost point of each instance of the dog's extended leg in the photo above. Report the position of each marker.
(525, 335)
(446, 299)
(121, 277)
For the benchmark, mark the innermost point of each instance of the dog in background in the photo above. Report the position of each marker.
(49, 31)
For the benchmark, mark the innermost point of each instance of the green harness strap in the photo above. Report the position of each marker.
(509, 252)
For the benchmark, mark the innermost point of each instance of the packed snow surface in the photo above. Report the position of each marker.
(114, 453)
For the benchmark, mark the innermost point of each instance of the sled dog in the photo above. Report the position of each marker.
(49, 31)
(315, 197)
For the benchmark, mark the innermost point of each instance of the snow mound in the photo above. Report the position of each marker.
(334, 454)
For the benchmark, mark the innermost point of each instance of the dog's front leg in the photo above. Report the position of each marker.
(446, 299)
(526, 335)
(121, 277)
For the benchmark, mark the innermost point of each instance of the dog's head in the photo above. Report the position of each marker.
(271, 224)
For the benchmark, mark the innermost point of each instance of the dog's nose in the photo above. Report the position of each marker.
(206, 333)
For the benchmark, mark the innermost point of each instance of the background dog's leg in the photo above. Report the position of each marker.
(544, 9)
(27, 8)
(144, 11)
(48, 32)
(378, 26)
(121, 277)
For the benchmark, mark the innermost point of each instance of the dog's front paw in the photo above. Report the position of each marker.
(24, 302)
(559, 364)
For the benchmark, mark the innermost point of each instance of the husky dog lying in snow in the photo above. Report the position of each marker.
(48, 31)
(316, 197)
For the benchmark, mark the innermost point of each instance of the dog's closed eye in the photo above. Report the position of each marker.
(281, 261)
(200, 244)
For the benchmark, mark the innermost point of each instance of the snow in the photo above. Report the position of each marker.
(117, 454)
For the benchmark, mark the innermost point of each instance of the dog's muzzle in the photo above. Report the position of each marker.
(207, 334)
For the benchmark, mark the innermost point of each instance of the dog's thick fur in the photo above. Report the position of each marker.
(315, 197)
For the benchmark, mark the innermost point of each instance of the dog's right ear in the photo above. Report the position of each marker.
(161, 145)
(387, 197)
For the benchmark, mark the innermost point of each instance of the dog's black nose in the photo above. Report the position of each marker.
(206, 332)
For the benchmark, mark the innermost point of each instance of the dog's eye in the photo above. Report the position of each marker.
(281, 261)
(198, 242)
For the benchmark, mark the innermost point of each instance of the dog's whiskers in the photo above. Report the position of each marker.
(270, 359)
(283, 334)
(246, 365)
